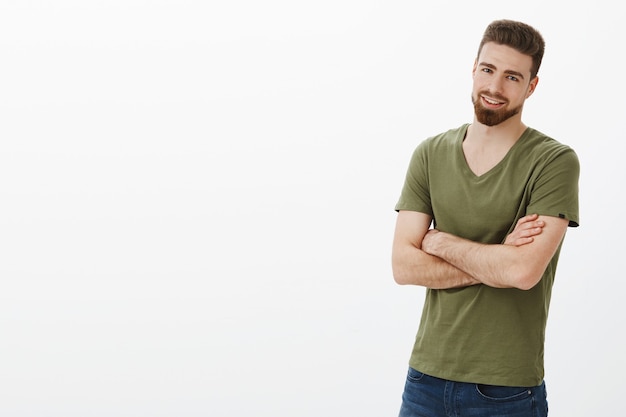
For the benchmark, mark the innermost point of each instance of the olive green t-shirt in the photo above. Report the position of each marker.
(481, 334)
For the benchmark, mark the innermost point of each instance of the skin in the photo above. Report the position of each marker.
(439, 260)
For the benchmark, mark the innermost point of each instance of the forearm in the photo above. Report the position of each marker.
(412, 266)
(500, 266)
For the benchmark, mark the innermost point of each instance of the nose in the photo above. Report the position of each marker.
(495, 85)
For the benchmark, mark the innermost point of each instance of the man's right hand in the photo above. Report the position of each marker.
(526, 227)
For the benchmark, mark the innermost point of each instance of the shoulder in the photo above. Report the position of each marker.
(449, 138)
(542, 144)
(544, 150)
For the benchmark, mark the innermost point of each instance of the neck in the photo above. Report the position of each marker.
(485, 146)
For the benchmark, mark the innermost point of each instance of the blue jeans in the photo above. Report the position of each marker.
(427, 396)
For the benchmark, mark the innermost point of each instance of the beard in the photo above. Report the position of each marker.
(492, 117)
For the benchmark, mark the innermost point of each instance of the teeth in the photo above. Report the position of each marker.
(491, 101)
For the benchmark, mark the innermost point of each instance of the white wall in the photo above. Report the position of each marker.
(197, 200)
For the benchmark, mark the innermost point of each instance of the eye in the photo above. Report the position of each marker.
(487, 70)
(512, 78)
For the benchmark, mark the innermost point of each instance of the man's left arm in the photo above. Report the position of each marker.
(497, 265)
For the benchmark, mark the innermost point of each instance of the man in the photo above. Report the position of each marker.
(500, 196)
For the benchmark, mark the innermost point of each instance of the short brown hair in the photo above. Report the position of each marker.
(519, 36)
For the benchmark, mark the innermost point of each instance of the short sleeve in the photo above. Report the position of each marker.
(415, 195)
(555, 192)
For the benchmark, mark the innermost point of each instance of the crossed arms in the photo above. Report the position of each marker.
(439, 260)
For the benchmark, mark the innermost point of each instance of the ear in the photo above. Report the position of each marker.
(474, 67)
(531, 86)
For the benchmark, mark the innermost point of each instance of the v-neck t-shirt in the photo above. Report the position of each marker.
(478, 333)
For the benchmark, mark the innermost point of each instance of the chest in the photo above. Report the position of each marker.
(482, 160)
(479, 207)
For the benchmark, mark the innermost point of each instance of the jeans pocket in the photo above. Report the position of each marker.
(500, 393)
(414, 375)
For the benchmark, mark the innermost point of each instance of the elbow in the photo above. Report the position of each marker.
(525, 280)
(399, 275)
(526, 284)
(398, 269)
(402, 274)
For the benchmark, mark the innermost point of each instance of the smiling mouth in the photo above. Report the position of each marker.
(492, 102)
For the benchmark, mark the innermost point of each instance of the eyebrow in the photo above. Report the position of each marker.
(510, 72)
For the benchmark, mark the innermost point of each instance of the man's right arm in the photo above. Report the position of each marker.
(411, 265)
